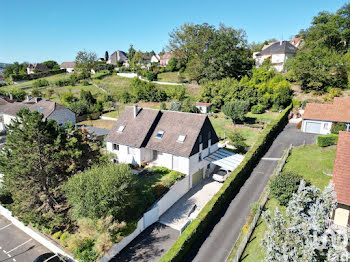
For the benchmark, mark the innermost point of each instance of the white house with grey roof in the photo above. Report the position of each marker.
(176, 140)
(278, 53)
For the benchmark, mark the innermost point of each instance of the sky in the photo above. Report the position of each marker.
(40, 30)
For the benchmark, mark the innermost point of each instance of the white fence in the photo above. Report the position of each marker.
(108, 118)
(33, 233)
(128, 75)
(152, 215)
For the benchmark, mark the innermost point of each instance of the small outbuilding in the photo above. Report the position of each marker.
(204, 108)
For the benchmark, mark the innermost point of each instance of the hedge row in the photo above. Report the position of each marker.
(36, 75)
(224, 196)
(327, 140)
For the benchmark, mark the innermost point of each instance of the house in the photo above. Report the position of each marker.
(49, 109)
(319, 118)
(155, 59)
(36, 68)
(204, 108)
(278, 53)
(341, 180)
(69, 66)
(117, 56)
(296, 41)
(164, 59)
(176, 140)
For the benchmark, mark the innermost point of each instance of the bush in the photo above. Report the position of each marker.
(63, 239)
(223, 197)
(258, 109)
(327, 140)
(338, 127)
(158, 190)
(284, 185)
(85, 82)
(40, 83)
(85, 251)
(57, 235)
(79, 107)
(162, 106)
(5, 196)
(151, 76)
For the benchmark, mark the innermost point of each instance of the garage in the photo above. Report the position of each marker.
(313, 127)
(196, 177)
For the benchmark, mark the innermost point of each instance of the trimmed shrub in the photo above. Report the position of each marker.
(159, 189)
(230, 188)
(151, 76)
(327, 140)
(284, 185)
(258, 109)
(338, 127)
(40, 83)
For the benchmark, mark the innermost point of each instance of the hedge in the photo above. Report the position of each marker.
(223, 197)
(327, 140)
(15, 77)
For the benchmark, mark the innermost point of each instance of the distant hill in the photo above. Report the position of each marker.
(3, 65)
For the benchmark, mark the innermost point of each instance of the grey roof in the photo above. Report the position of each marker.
(118, 56)
(142, 130)
(97, 131)
(66, 65)
(38, 66)
(225, 159)
(279, 48)
(135, 129)
(45, 107)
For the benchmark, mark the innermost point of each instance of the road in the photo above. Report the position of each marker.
(15, 245)
(217, 243)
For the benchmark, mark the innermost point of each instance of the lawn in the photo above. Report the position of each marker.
(171, 77)
(310, 162)
(99, 123)
(114, 83)
(265, 118)
(75, 90)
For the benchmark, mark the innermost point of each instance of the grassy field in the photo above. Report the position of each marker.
(310, 162)
(99, 123)
(27, 84)
(171, 77)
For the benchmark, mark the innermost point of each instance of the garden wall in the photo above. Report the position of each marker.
(152, 215)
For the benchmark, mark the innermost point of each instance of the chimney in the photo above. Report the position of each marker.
(135, 111)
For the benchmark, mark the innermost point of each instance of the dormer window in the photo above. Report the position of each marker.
(160, 134)
(120, 129)
(181, 138)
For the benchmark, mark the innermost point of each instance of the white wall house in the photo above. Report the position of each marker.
(176, 140)
(155, 59)
(278, 53)
(69, 66)
(319, 118)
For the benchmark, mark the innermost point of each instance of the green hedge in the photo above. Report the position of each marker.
(327, 140)
(36, 75)
(230, 187)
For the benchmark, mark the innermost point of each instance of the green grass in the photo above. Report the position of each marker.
(114, 83)
(265, 118)
(96, 92)
(114, 114)
(51, 79)
(171, 77)
(310, 162)
(99, 123)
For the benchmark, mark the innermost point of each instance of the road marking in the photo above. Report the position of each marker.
(4, 251)
(18, 246)
(9, 255)
(6, 226)
(271, 158)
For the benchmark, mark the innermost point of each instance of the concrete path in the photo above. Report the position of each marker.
(217, 243)
(177, 216)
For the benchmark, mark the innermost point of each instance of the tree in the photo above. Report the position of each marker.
(51, 64)
(284, 186)
(102, 191)
(106, 56)
(85, 61)
(303, 234)
(39, 156)
(236, 110)
(189, 105)
(238, 142)
(131, 52)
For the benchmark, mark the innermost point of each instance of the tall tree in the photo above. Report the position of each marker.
(131, 52)
(236, 110)
(51, 64)
(85, 61)
(303, 234)
(106, 56)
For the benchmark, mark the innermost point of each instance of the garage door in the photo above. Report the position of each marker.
(313, 127)
(196, 177)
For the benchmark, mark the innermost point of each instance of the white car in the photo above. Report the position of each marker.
(221, 175)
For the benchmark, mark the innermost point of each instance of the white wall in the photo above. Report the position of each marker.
(203, 109)
(325, 129)
(123, 154)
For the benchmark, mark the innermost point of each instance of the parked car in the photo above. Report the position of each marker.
(221, 175)
(51, 257)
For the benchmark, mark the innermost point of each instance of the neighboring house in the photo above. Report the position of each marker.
(296, 41)
(319, 118)
(176, 140)
(341, 180)
(204, 108)
(164, 59)
(155, 59)
(117, 56)
(278, 53)
(34, 68)
(49, 109)
(69, 66)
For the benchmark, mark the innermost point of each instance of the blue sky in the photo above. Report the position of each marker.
(39, 30)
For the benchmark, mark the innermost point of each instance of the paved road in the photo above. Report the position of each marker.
(150, 245)
(15, 245)
(217, 243)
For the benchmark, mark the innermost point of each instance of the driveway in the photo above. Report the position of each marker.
(216, 244)
(15, 245)
(194, 200)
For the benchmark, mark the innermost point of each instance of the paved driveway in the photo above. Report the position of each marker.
(217, 243)
(177, 216)
(15, 245)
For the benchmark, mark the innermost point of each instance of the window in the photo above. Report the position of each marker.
(181, 138)
(200, 139)
(116, 147)
(200, 157)
(121, 128)
(160, 134)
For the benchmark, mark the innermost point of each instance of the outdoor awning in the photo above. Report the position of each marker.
(225, 159)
